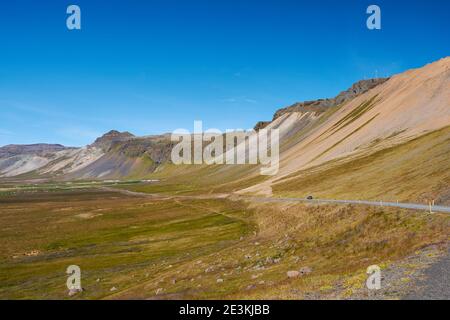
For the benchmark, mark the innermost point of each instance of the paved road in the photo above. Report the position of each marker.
(436, 282)
(413, 206)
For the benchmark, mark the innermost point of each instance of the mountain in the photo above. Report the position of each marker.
(320, 106)
(390, 142)
(18, 159)
(126, 157)
(115, 155)
(378, 132)
(402, 109)
(44, 162)
(40, 148)
(108, 139)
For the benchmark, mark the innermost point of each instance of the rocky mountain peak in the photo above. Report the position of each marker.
(108, 139)
(117, 134)
(321, 105)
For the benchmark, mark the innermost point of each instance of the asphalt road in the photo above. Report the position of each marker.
(436, 282)
(413, 206)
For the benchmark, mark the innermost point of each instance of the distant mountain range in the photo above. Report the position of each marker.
(115, 154)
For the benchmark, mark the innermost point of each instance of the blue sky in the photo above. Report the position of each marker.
(154, 66)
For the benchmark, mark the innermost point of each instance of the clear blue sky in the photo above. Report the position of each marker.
(154, 66)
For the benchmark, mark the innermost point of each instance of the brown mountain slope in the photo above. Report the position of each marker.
(417, 170)
(405, 107)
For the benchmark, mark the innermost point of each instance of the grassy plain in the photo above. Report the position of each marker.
(117, 239)
(144, 248)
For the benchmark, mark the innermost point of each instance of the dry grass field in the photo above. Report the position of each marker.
(144, 248)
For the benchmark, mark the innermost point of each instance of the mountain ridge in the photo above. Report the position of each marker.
(321, 105)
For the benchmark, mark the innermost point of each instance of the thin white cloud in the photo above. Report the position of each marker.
(4, 132)
(250, 101)
(239, 100)
(229, 100)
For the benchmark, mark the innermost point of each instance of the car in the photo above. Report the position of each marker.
(309, 197)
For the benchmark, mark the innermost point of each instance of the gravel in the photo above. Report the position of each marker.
(435, 284)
